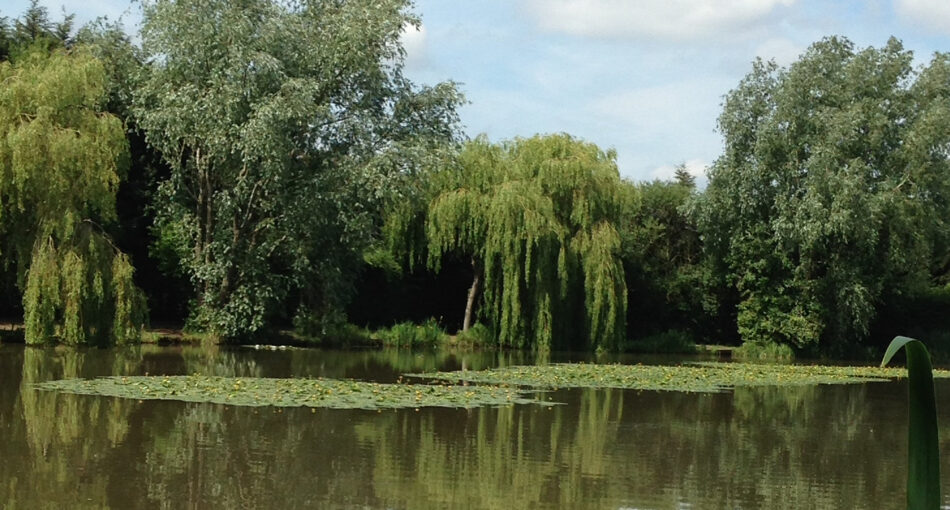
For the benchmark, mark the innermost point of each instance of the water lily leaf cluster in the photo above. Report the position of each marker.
(697, 377)
(292, 392)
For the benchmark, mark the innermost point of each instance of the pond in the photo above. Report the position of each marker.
(818, 446)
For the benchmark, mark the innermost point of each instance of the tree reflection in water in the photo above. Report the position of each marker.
(768, 447)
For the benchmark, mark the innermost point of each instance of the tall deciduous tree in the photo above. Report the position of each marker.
(833, 190)
(61, 160)
(538, 218)
(157, 272)
(285, 124)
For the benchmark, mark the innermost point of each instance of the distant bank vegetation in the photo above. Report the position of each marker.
(280, 172)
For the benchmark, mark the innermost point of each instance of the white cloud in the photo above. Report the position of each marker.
(666, 19)
(695, 167)
(413, 40)
(931, 14)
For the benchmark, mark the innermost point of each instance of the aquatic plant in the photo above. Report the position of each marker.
(923, 446)
(291, 392)
(695, 377)
(670, 342)
(407, 334)
(477, 335)
(764, 351)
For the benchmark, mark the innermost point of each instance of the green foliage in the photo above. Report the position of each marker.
(923, 445)
(478, 335)
(61, 160)
(919, 315)
(257, 391)
(538, 218)
(663, 261)
(832, 194)
(82, 294)
(34, 29)
(667, 342)
(407, 334)
(768, 352)
(6, 38)
(34, 25)
(121, 60)
(285, 127)
(384, 260)
(682, 177)
(700, 377)
(350, 334)
(326, 324)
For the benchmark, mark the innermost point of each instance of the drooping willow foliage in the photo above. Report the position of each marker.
(538, 217)
(61, 160)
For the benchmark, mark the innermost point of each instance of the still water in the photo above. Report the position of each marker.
(795, 447)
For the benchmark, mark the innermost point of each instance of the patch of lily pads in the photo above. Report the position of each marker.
(694, 377)
(494, 387)
(292, 392)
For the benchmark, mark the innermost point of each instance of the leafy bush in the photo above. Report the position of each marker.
(407, 334)
(350, 334)
(769, 352)
(477, 335)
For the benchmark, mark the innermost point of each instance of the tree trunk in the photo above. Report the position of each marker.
(472, 293)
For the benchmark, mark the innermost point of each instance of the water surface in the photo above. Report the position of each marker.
(838, 446)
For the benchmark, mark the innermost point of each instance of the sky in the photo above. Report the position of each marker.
(644, 77)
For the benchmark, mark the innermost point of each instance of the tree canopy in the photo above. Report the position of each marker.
(663, 260)
(832, 193)
(250, 156)
(285, 126)
(538, 218)
(34, 27)
(61, 160)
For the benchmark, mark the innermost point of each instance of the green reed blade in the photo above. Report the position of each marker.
(923, 448)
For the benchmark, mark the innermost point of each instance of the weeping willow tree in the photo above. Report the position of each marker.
(537, 217)
(61, 160)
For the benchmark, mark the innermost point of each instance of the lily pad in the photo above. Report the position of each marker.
(695, 377)
(330, 393)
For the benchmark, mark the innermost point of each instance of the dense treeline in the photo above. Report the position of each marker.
(253, 166)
